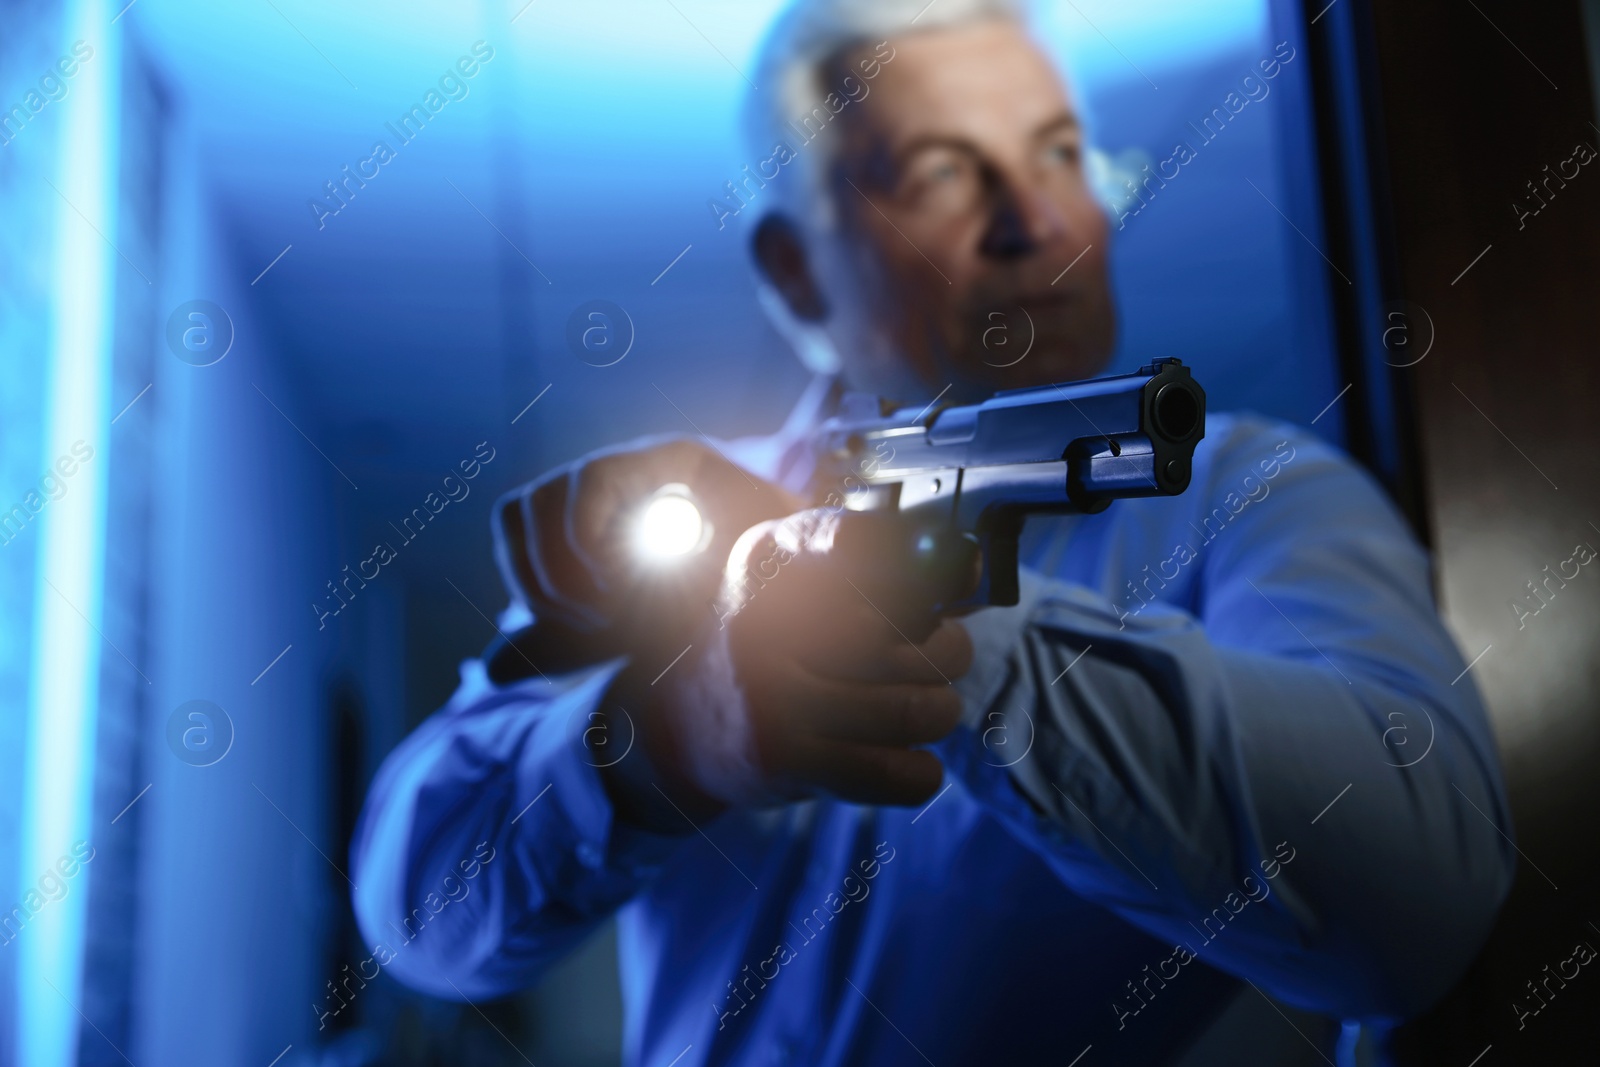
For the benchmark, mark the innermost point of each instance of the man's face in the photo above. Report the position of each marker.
(963, 204)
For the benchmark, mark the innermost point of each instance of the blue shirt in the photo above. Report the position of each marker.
(1224, 734)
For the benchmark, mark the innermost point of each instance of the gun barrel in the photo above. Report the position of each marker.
(982, 468)
(1128, 435)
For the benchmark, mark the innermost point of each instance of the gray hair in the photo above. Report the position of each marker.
(792, 76)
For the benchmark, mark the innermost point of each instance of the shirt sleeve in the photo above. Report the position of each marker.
(488, 847)
(1295, 780)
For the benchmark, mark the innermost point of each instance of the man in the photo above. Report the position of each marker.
(1066, 823)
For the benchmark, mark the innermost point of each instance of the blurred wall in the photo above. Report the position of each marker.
(235, 896)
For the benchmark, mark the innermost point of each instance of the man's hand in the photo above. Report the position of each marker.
(801, 686)
(565, 542)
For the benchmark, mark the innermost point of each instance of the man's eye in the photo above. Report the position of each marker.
(937, 172)
(1062, 153)
(945, 182)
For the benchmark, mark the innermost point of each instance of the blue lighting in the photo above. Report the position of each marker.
(59, 770)
(373, 338)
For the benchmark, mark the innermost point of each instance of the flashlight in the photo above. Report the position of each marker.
(670, 526)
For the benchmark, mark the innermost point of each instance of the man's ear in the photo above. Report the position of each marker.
(780, 255)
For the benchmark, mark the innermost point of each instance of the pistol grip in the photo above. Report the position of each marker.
(997, 539)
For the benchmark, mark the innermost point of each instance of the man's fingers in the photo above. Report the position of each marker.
(873, 774)
(906, 563)
(950, 649)
(603, 489)
(893, 714)
(611, 488)
(574, 551)
(742, 498)
(864, 649)
(565, 582)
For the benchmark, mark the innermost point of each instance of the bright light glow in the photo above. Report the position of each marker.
(63, 704)
(670, 526)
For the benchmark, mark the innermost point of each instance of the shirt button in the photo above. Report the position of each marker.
(588, 855)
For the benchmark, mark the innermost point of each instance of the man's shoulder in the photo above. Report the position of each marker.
(1242, 444)
(1235, 438)
(1318, 486)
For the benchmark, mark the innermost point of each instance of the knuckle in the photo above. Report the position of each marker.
(773, 733)
(915, 775)
(905, 709)
(907, 662)
(682, 448)
(951, 709)
(952, 648)
(547, 495)
(932, 711)
(755, 544)
(589, 481)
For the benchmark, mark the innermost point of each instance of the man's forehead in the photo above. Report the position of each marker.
(988, 77)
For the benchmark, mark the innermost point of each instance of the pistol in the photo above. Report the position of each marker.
(975, 472)
(950, 482)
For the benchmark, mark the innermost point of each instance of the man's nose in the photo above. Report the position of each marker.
(1021, 222)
